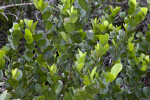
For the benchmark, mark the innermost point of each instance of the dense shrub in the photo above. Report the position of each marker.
(77, 56)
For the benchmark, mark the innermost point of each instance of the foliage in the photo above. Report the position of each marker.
(65, 61)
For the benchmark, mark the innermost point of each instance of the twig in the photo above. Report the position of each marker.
(4, 15)
(10, 14)
(14, 5)
(25, 4)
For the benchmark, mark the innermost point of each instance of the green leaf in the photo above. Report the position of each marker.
(104, 38)
(50, 36)
(34, 26)
(46, 15)
(116, 68)
(131, 46)
(148, 1)
(101, 84)
(2, 62)
(17, 34)
(16, 74)
(111, 76)
(132, 6)
(42, 5)
(73, 18)
(29, 54)
(62, 48)
(16, 26)
(38, 88)
(28, 36)
(122, 14)
(67, 96)
(114, 11)
(21, 24)
(40, 98)
(82, 58)
(81, 75)
(83, 4)
(30, 22)
(119, 81)
(80, 66)
(2, 53)
(69, 27)
(59, 88)
(132, 3)
(37, 36)
(146, 91)
(104, 49)
(36, 3)
(142, 13)
(66, 3)
(26, 21)
(48, 25)
(41, 42)
(87, 80)
(53, 69)
(144, 10)
(65, 36)
(29, 46)
(40, 59)
(93, 72)
(144, 67)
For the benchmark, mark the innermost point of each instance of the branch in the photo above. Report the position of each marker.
(14, 5)
(23, 4)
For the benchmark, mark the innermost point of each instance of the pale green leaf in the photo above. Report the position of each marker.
(36, 4)
(116, 69)
(144, 10)
(3, 96)
(59, 88)
(80, 66)
(30, 22)
(28, 36)
(65, 36)
(16, 26)
(144, 67)
(131, 46)
(104, 38)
